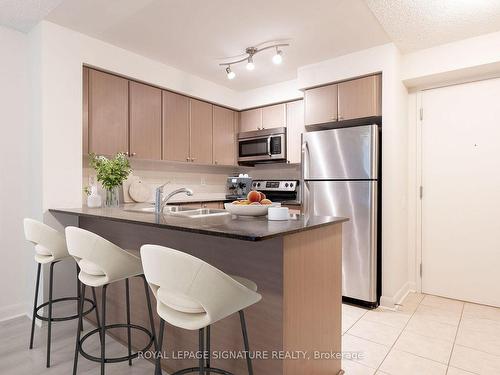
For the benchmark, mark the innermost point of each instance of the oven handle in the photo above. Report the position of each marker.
(269, 146)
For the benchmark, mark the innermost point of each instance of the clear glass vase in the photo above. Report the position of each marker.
(112, 197)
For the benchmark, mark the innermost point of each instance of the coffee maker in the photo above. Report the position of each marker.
(238, 187)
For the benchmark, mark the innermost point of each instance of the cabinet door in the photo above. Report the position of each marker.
(145, 121)
(295, 127)
(175, 127)
(251, 120)
(274, 116)
(321, 105)
(223, 136)
(108, 113)
(85, 117)
(360, 98)
(200, 131)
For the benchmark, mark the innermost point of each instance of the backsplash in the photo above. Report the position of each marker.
(207, 182)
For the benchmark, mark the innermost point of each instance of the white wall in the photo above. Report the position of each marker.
(385, 59)
(17, 186)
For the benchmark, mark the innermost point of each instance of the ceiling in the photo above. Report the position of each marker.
(22, 15)
(418, 24)
(193, 35)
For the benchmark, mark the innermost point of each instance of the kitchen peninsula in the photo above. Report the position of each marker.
(296, 264)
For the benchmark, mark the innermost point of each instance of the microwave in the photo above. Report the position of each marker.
(260, 146)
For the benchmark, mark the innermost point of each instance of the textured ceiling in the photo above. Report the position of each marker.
(22, 15)
(418, 24)
(193, 35)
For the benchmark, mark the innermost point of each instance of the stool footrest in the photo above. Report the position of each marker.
(63, 318)
(205, 370)
(115, 359)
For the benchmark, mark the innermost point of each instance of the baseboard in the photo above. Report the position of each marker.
(390, 302)
(12, 311)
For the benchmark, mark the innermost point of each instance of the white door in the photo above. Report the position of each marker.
(461, 196)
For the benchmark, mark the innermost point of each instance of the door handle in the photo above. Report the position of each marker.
(269, 146)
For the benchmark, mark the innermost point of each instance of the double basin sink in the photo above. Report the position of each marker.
(182, 211)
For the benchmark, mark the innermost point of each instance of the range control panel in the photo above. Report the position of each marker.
(275, 185)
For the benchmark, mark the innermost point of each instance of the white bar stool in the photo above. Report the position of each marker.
(50, 248)
(192, 294)
(102, 263)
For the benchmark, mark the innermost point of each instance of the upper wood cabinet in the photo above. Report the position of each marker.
(108, 113)
(200, 131)
(295, 127)
(251, 120)
(224, 136)
(360, 98)
(274, 116)
(145, 121)
(85, 117)
(320, 105)
(349, 100)
(175, 127)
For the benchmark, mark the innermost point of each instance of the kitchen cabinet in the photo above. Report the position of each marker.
(201, 119)
(251, 120)
(224, 137)
(85, 114)
(321, 105)
(360, 98)
(108, 113)
(145, 121)
(274, 116)
(175, 127)
(295, 127)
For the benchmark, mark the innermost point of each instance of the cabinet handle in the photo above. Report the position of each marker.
(125, 153)
(193, 159)
(215, 161)
(133, 154)
(187, 159)
(341, 117)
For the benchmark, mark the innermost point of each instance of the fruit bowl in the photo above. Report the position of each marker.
(249, 209)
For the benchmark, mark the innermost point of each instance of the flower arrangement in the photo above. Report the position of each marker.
(111, 173)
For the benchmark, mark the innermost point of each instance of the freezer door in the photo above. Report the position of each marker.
(356, 200)
(348, 153)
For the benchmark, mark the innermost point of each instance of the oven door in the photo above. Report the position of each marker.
(263, 148)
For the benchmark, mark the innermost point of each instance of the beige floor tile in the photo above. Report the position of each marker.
(430, 328)
(347, 322)
(402, 363)
(353, 311)
(372, 354)
(471, 310)
(438, 314)
(442, 303)
(391, 318)
(480, 334)
(355, 368)
(457, 371)
(428, 347)
(377, 332)
(475, 361)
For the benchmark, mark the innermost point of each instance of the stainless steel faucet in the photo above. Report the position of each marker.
(161, 202)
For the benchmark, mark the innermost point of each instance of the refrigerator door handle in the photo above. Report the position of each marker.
(305, 159)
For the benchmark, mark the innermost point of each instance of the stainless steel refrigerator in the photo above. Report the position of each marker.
(340, 173)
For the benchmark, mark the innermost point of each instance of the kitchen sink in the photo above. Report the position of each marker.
(181, 211)
(201, 212)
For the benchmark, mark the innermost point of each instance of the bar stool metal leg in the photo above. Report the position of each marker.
(103, 329)
(49, 322)
(80, 326)
(209, 353)
(159, 348)
(34, 305)
(201, 335)
(127, 298)
(150, 312)
(245, 341)
(96, 312)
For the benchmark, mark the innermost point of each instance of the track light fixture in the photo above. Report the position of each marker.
(249, 54)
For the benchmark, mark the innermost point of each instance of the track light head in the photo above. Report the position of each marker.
(278, 57)
(230, 73)
(250, 64)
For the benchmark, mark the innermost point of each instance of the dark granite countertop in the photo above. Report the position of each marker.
(238, 227)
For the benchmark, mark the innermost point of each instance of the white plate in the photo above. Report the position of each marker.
(248, 210)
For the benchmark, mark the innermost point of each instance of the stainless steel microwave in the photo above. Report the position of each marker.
(259, 146)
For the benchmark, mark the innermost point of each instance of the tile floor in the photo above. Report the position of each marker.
(427, 335)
